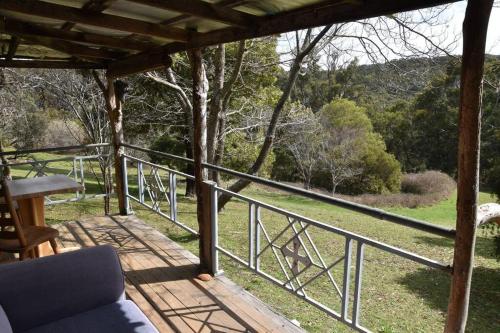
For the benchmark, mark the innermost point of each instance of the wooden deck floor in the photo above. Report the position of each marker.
(160, 279)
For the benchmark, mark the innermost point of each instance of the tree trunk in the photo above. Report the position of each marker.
(334, 189)
(268, 141)
(200, 89)
(216, 102)
(189, 169)
(219, 153)
(302, 52)
(114, 100)
(220, 100)
(474, 32)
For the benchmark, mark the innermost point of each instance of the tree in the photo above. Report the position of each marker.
(352, 153)
(302, 50)
(304, 142)
(80, 99)
(340, 155)
(345, 127)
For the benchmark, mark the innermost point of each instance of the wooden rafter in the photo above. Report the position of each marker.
(74, 49)
(93, 6)
(69, 14)
(15, 27)
(204, 10)
(184, 17)
(55, 64)
(319, 14)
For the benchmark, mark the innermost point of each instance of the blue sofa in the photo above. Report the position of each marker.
(75, 292)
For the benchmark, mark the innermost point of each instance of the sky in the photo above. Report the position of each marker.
(493, 42)
(450, 30)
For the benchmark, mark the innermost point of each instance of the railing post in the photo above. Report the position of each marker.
(257, 238)
(126, 200)
(251, 235)
(140, 182)
(206, 228)
(172, 186)
(82, 178)
(214, 229)
(357, 284)
(75, 177)
(346, 279)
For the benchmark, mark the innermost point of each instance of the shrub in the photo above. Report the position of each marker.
(417, 190)
(171, 145)
(62, 133)
(427, 182)
(240, 153)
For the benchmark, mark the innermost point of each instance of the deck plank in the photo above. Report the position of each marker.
(161, 280)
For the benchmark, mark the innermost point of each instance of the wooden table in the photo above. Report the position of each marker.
(30, 195)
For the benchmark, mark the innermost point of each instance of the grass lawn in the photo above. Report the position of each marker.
(397, 295)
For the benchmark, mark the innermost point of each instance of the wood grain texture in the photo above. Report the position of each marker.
(475, 29)
(42, 186)
(161, 280)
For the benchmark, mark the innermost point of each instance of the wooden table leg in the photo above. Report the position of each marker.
(32, 211)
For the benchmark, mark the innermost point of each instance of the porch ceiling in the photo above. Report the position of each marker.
(128, 36)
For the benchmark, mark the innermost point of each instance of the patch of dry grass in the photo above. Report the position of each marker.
(417, 190)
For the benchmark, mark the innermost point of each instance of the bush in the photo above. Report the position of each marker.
(240, 153)
(427, 182)
(171, 145)
(381, 171)
(62, 133)
(417, 190)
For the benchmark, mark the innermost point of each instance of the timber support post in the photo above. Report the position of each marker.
(114, 92)
(200, 91)
(475, 28)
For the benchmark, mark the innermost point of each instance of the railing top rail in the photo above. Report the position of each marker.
(339, 231)
(68, 158)
(50, 149)
(182, 174)
(363, 209)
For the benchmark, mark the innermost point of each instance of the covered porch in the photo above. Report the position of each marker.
(161, 278)
(160, 275)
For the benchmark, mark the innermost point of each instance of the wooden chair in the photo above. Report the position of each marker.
(18, 238)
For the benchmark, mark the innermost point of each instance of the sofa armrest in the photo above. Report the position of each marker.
(43, 290)
(4, 322)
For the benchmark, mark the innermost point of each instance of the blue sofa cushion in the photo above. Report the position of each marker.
(4, 322)
(40, 291)
(119, 317)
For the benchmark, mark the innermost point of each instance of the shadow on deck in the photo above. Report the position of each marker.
(161, 280)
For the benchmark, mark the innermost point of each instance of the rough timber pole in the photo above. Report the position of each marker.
(200, 88)
(474, 40)
(114, 98)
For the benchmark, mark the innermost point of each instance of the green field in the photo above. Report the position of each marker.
(397, 295)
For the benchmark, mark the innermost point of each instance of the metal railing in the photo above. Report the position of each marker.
(74, 167)
(284, 248)
(152, 192)
(363, 209)
(291, 247)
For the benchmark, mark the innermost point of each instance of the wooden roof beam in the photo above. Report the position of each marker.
(320, 14)
(54, 64)
(204, 10)
(92, 6)
(75, 15)
(152, 62)
(185, 17)
(74, 49)
(14, 27)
